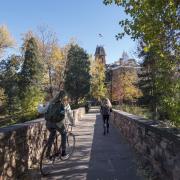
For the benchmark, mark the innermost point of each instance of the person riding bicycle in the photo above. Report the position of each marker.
(58, 105)
(105, 110)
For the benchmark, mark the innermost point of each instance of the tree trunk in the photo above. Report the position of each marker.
(50, 82)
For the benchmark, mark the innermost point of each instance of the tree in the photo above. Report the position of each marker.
(148, 82)
(2, 97)
(77, 80)
(156, 26)
(30, 78)
(98, 89)
(31, 68)
(124, 85)
(58, 67)
(61, 67)
(9, 82)
(150, 21)
(6, 40)
(51, 56)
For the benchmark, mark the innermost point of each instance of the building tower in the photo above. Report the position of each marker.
(100, 54)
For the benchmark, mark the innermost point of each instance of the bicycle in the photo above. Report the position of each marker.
(47, 163)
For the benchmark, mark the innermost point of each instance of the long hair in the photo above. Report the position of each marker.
(106, 102)
(59, 97)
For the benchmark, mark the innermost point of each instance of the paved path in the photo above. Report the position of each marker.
(97, 157)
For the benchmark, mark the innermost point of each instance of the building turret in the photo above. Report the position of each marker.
(100, 54)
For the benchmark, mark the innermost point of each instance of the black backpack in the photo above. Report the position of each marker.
(105, 110)
(55, 112)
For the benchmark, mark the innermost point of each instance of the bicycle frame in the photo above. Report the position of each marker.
(56, 152)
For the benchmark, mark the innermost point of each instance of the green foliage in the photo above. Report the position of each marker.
(156, 25)
(9, 82)
(32, 96)
(77, 80)
(148, 82)
(168, 84)
(149, 19)
(21, 86)
(133, 109)
(30, 79)
(31, 72)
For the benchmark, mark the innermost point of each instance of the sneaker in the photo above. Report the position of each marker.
(64, 156)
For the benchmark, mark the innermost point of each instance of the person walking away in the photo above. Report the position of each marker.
(105, 110)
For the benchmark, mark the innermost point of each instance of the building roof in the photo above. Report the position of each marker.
(131, 63)
(121, 66)
(100, 51)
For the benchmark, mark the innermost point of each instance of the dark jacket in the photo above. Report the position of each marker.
(105, 110)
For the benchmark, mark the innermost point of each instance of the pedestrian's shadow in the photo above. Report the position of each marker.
(111, 157)
(77, 166)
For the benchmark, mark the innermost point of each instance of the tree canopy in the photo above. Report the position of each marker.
(77, 80)
(156, 24)
(5, 39)
(98, 89)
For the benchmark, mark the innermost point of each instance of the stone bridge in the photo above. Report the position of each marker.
(96, 157)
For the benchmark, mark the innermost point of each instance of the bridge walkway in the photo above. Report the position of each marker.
(97, 157)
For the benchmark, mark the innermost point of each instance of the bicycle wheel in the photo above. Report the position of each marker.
(47, 161)
(70, 145)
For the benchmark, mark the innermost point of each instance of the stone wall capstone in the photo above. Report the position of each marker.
(157, 145)
(21, 146)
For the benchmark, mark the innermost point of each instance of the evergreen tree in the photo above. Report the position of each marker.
(158, 32)
(31, 68)
(77, 80)
(30, 78)
(9, 82)
(147, 82)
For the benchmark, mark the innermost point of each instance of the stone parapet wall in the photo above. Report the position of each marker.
(157, 145)
(21, 146)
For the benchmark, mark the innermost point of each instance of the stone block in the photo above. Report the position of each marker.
(9, 172)
(162, 148)
(176, 174)
(13, 161)
(163, 144)
(21, 146)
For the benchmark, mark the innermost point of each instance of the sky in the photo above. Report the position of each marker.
(79, 19)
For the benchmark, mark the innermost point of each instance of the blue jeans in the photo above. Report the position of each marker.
(52, 127)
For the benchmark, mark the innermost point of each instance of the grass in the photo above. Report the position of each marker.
(134, 109)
